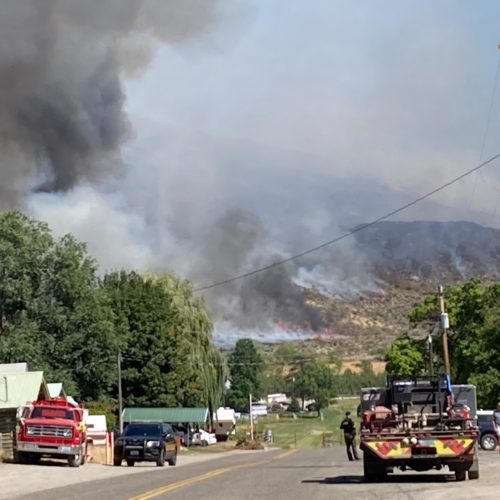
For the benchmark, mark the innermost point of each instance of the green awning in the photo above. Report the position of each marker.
(168, 415)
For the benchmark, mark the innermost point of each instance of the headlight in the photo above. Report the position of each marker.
(406, 441)
(153, 444)
(413, 440)
(67, 433)
(30, 431)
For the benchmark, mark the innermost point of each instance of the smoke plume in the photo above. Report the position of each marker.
(62, 64)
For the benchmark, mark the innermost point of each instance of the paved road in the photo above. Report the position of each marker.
(303, 474)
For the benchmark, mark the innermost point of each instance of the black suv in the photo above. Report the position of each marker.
(146, 442)
(487, 436)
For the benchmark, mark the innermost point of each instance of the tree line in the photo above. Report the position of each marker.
(289, 371)
(62, 317)
(473, 339)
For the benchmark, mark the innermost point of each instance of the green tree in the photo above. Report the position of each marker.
(474, 335)
(165, 339)
(52, 312)
(245, 364)
(406, 357)
(315, 380)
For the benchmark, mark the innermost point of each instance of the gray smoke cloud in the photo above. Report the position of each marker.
(210, 201)
(62, 65)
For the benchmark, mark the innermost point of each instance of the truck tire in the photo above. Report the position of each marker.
(75, 460)
(20, 457)
(473, 472)
(373, 473)
(117, 462)
(460, 475)
(130, 463)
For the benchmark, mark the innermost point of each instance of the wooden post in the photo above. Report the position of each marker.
(251, 419)
(120, 401)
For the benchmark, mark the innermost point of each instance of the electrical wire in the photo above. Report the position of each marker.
(485, 134)
(343, 236)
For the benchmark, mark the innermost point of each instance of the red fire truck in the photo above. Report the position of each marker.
(51, 428)
(419, 423)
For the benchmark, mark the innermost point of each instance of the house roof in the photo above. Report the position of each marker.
(17, 389)
(169, 415)
(55, 389)
(13, 367)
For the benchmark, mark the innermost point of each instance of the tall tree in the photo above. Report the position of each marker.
(474, 334)
(406, 357)
(52, 312)
(165, 338)
(315, 380)
(245, 364)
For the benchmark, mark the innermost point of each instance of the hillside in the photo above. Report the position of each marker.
(406, 260)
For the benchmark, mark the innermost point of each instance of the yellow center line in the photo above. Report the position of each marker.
(216, 472)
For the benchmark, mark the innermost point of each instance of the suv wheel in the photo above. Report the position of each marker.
(488, 442)
(161, 459)
(172, 461)
(130, 463)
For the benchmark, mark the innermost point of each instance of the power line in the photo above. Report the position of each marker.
(349, 233)
(486, 130)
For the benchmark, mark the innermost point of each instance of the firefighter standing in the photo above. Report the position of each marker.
(347, 425)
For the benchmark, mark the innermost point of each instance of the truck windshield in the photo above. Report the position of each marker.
(142, 430)
(50, 412)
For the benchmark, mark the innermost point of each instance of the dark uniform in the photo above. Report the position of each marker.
(347, 425)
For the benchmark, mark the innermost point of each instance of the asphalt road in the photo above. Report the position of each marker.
(302, 474)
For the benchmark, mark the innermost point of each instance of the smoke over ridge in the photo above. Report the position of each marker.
(216, 165)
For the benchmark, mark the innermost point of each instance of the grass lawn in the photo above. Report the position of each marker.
(308, 431)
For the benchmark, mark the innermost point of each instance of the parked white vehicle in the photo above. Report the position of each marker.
(203, 438)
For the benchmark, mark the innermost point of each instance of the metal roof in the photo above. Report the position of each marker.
(169, 415)
(17, 389)
(13, 367)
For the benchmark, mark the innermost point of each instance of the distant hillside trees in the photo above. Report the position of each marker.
(60, 317)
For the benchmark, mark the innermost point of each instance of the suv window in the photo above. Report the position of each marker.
(142, 430)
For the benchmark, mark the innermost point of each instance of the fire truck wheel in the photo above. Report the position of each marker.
(473, 474)
(75, 460)
(20, 457)
(161, 459)
(460, 475)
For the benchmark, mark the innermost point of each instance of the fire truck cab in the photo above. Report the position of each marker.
(51, 428)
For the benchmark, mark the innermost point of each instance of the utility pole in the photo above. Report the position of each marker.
(251, 419)
(444, 328)
(120, 402)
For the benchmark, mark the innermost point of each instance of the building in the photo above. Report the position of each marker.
(18, 388)
(192, 416)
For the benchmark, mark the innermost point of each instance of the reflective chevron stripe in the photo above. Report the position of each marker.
(445, 447)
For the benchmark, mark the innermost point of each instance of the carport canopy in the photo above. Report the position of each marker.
(169, 415)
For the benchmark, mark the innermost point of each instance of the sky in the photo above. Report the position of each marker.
(283, 123)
